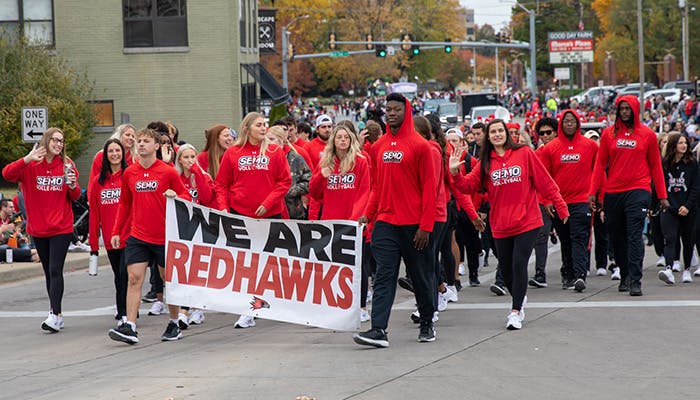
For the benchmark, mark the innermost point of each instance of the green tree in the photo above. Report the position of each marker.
(30, 76)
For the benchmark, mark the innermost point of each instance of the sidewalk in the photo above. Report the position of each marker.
(20, 271)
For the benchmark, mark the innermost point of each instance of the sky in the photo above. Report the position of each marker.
(493, 12)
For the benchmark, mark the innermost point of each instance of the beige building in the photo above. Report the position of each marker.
(190, 62)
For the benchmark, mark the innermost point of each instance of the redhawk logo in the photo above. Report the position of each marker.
(258, 303)
(392, 156)
(626, 143)
(570, 158)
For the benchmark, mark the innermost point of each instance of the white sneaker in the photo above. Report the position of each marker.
(687, 277)
(157, 308)
(182, 321)
(661, 261)
(522, 309)
(364, 316)
(676, 266)
(196, 317)
(369, 296)
(415, 317)
(697, 272)
(244, 321)
(514, 321)
(601, 272)
(451, 294)
(51, 324)
(59, 319)
(616, 274)
(666, 275)
(442, 302)
(462, 269)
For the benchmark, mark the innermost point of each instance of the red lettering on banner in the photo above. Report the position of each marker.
(177, 257)
(196, 265)
(294, 278)
(345, 284)
(217, 256)
(322, 284)
(250, 272)
(270, 278)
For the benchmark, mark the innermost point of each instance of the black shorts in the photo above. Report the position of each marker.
(138, 251)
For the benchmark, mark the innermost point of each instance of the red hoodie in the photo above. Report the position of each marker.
(247, 180)
(403, 179)
(47, 198)
(202, 192)
(441, 191)
(570, 162)
(343, 196)
(315, 149)
(631, 157)
(97, 166)
(104, 203)
(515, 179)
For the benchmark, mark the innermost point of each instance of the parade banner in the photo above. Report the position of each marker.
(303, 272)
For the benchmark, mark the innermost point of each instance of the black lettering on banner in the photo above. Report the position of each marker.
(318, 244)
(187, 226)
(236, 234)
(281, 237)
(340, 244)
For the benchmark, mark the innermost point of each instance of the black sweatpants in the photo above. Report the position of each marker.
(574, 236)
(513, 256)
(470, 237)
(121, 279)
(600, 233)
(674, 226)
(368, 267)
(52, 251)
(542, 245)
(625, 213)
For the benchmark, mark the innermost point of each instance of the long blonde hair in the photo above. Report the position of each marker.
(245, 127)
(119, 132)
(46, 139)
(347, 163)
(281, 134)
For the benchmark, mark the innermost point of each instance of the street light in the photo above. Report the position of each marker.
(533, 49)
(285, 56)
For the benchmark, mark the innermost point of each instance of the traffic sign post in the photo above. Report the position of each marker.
(35, 121)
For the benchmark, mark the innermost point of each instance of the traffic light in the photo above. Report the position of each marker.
(380, 50)
(370, 45)
(406, 42)
(290, 51)
(498, 37)
(448, 48)
(331, 41)
(415, 50)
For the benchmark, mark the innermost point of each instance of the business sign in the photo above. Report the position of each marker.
(570, 47)
(561, 74)
(266, 31)
(303, 272)
(35, 121)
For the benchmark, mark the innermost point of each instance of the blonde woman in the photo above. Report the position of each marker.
(301, 174)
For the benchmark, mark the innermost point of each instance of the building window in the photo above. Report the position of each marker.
(155, 23)
(32, 19)
(243, 24)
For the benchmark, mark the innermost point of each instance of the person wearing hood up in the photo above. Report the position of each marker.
(629, 152)
(570, 159)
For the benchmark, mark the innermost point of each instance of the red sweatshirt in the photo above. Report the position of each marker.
(246, 180)
(304, 154)
(315, 149)
(570, 162)
(104, 203)
(47, 198)
(631, 157)
(441, 197)
(343, 196)
(515, 179)
(403, 179)
(97, 166)
(202, 192)
(143, 201)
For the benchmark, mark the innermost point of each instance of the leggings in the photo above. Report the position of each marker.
(121, 279)
(52, 251)
(673, 226)
(513, 256)
(368, 268)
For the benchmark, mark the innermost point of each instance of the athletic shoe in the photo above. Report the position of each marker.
(149, 297)
(676, 266)
(51, 323)
(553, 237)
(474, 282)
(667, 276)
(538, 282)
(601, 272)
(451, 294)
(427, 334)
(124, 333)
(374, 337)
(661, 261)
(612, 266)
(615, 276)
(405, 282)
(687, 277)
(694, 262)
(244, 321)
(157, 308)
(514, 321)
(462, 269)
(636, 288)
(172, 332)
(624, 285)
(196, 317)
(364, 316)
(579, 285)
(497, 289)
(442, 302)
(697, 272)
(458, 285)
(182, 321)
(59, 319)
(567, 284)
(369, 296)
(415, 317)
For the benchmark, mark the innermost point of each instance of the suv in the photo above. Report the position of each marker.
(592, 95)
(687, 86)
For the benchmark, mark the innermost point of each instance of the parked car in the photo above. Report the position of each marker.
(448, 115)
(591, 96)
(671, 95)
(687, 86)
(431, 105)
(485, 111)
(633, 89)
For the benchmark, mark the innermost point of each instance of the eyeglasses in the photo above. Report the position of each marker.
(546, 132)
(57, 140)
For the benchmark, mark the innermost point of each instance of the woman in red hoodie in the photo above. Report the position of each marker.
(104, 201)
(219, 138)
(49, 182)
(511, 175)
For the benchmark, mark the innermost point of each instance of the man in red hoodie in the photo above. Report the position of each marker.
(630, 153)
(402, 204)
(569, 159)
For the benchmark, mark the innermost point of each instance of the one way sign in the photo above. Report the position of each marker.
(35, 121)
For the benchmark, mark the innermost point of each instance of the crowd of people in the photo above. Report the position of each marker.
(441, 202)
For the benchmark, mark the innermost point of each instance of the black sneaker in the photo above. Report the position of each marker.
(172, 332)
(374, 337)
(458, 285)
(624, 285)
(497, 289)
(405, 282)
(579, 285)
(415, 317)
(124, 333)
(636, 288)
(149, 297)
(427, 334)
(474, 282)
(567, 284)
(553, 238)
(538, 282)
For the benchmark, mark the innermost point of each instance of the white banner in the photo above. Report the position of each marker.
(303, 272)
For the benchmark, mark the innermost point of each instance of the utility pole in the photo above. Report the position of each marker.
(285, 44)
(683, 4)
(640, 45)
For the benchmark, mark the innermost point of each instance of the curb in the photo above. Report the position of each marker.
(17, 272)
